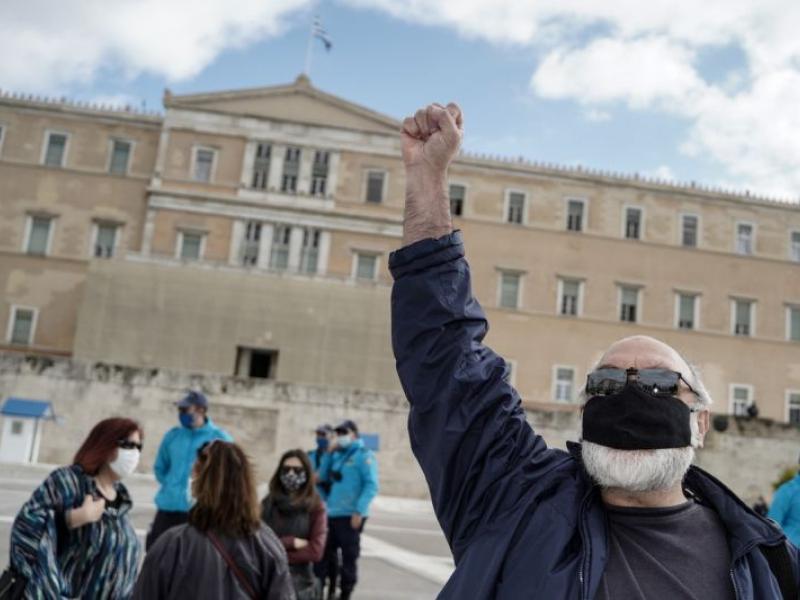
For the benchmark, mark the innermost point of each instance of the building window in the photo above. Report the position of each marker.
(56, 149)
(251, 243)
(633, 223)
(17, 427)
(120, 157)
(457, 194)
(190, 245)
(569, 302)
(744, 238)
(203, 164)
(794, 244)
(105, 240)
(509, 289)
(743, 317)
(319, 173)
(793, 323)
(564, 384)
(261, 166)
(366, 266)
(39, 232)
(256, 363)
(629, 304)
(793, 407)
(687, 311)
(279, 256)
(515, 209)
(2, 134)
(741, 399)
(309, 253)
(291, 168)
(689, 228)
(575, 210)
(21, 326)
(375, 184)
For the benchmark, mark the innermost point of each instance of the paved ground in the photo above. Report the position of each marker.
(404, 554)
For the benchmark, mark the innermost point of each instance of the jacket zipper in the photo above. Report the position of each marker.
(733, 581)
(585, 540)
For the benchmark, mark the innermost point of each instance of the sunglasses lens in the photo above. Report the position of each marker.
(659, 381)
(605, 381)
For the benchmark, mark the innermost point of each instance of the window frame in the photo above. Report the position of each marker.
(354, 268)
(625, 209)
(11, 320)
(196, 148)
(789, 393)
(384, 187)
(681, 217)
(752, 332)
(507, 204)
(562, 279)
(789, 308)
(179, 244)
(96, 225)
(584, 213)
(29, 230)
(639, 302)
(3, 127)
(451, 183)
(753, 238)
(732, 399)
(46, 145)
(111, 141)
(520, 274)
(792, 233)
(695, 310)
(555, 380)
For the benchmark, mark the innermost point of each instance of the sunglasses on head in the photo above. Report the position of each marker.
(129, 445)
(659, 382)
(295, 470)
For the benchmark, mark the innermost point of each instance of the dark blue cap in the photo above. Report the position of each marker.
(324, 429)
(347, 425)
(193, 399)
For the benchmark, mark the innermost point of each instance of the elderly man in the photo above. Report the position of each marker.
(623, 515)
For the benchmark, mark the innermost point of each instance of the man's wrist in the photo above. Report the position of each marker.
(427, 213)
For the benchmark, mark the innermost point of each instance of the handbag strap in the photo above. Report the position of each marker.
(234, 567)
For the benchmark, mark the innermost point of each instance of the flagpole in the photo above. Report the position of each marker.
(309, 48)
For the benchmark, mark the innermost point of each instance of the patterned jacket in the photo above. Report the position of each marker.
(99, 560)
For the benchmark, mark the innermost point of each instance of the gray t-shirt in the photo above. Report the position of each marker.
(679, 552)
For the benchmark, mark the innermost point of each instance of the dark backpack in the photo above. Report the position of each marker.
(780, 563)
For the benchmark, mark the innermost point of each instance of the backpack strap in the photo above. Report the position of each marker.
(233, 566)
(780, 563)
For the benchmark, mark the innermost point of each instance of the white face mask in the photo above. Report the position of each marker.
(126, 462)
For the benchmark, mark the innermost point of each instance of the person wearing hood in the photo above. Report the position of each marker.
(175, 459)
(351, 476)
(74, 538)
(294, 510)
(622, 515)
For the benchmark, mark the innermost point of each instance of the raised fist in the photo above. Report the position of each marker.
(431, 138)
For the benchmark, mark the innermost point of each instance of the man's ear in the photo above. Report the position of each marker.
(703, 423)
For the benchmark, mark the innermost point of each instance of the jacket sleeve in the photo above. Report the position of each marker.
(162, 464)
(316, 540)
(276, 580)
(154, 578)
(369, 482)
(467, 427)
(780, 504)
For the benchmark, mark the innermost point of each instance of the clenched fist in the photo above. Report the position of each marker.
(431, 139)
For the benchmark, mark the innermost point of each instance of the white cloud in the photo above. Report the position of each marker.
(604, 53)
(47, 45)
(595, 115)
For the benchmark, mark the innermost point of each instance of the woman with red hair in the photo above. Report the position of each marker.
(73, 538)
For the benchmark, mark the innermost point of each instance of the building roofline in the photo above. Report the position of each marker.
(68, 105)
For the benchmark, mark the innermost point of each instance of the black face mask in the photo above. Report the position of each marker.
(636, 420)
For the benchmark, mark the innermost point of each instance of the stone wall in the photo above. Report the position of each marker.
(268, 418)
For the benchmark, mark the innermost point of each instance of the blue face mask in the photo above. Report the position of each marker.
(344, 441)
(322, 443)
(186, 420)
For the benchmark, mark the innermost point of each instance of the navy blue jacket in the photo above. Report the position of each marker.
(522, 520)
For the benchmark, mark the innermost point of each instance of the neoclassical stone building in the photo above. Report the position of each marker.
(247, 232)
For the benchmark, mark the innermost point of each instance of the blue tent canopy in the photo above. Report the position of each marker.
(32, 409)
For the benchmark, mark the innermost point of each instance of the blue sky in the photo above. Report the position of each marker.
(589, 85)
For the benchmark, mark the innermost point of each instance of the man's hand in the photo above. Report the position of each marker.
(89, 512)
(356, 521)
(431, 139)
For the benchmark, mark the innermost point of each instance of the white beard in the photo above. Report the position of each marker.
(639, 470)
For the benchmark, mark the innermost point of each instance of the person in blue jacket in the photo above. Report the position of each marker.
(175, 459)
(350, 476)
(785, 509)
(621, 515)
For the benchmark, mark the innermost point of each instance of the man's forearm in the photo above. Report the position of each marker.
(427, 211)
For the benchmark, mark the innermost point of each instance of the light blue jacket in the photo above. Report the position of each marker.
(358, 485)
(785, 509)
(175, 460)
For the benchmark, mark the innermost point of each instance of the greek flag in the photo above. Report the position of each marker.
(320, 33)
